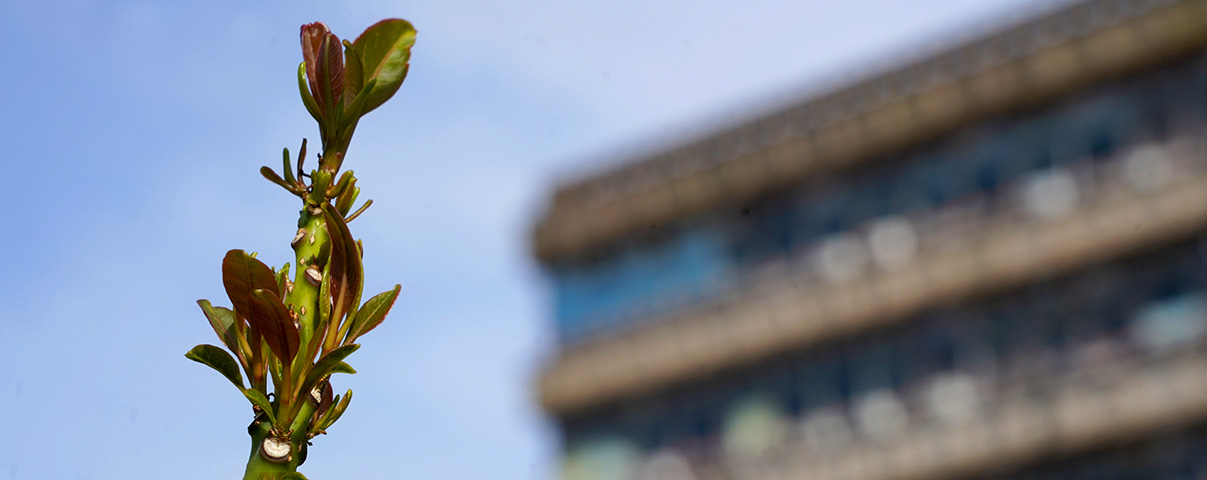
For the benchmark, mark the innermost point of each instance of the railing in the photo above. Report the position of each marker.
(1077, 413)
(789, 311)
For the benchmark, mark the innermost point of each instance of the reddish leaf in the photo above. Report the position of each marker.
(345, 267)
(325, 399)
(312, 41)
(385, 53)
(331, 70)
(242, 274)
(324, 57)
(275, 324)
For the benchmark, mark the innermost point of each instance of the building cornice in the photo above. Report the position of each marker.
(1024, 66)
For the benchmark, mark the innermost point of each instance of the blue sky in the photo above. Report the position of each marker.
(133, 131)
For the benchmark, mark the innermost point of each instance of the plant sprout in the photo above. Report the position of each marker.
(298, 332)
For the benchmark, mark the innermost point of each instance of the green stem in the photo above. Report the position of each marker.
(259, 467)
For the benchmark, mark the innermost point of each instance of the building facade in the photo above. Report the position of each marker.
(987, 264)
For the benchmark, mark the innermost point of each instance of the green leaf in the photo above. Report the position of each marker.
(343, 204)
(372, 313)
(334, 412)
(287, 168)
(356, 107)
(282, 277)
(275, 324)
(325, 299)
(217, 359)
(323, 367)
(308, 100)
(342, 367)
(258, 399)
(385, 50)
(354, 76)
(241, 275)
(223, 322)
(272, 176)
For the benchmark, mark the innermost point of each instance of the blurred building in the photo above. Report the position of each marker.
(988, 264)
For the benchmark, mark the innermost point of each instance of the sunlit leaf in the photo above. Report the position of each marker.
(258, 399)
(385, 50)
(372, 313)
(275, 324)
(343, 368)
(217, 359)
(329, 361)
(223, 322)
(242, 274)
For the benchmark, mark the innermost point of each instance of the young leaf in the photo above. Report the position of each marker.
(385, 50)
(282, 277)
(258, 399)
(275, 324)
(325, 364)
(324, 58)
(286, 168)
(272, 176)
(311, 104)
(331, 70)
(344, 202)
(372, 313)
(313, 35)
(354, 76)
(345, 268)
(334, 412)
(325, 401)
(340, 407)
(325, 298)
(217, 359)
(242, 274)
(223, 322)
(342, 367)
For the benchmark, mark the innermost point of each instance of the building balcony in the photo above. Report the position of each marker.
(1064, 220)
(1054, 418)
